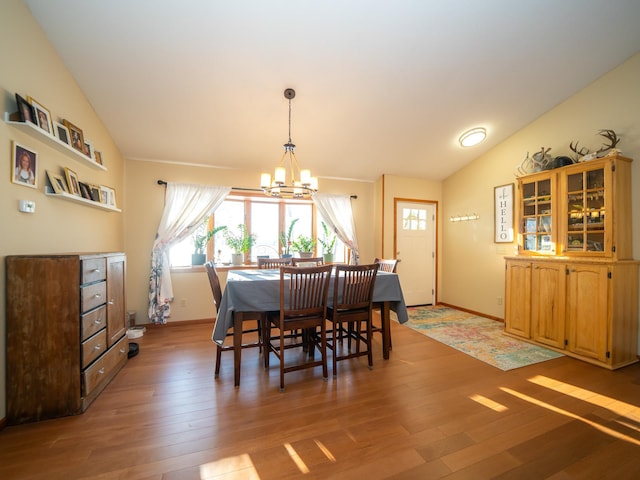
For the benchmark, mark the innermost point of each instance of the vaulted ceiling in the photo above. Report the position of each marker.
(382, 86)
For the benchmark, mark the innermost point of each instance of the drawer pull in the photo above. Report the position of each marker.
(97, 321)
(97, 295)
(110, 302)
(96, 270)
(101, 371)
(122, 350)
(97, 347)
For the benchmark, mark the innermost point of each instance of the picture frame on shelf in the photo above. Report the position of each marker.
(85, 191)
(95, 192)
(26, 113)
(24, 165)
(75, 135)
(72, 181)
(98, 157)
(503, 208)
(61, 132)
(108, 196)
(42, 116)
(57, 182)
(88, 148)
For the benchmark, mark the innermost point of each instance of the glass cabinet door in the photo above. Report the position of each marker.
(586, 211)
(537, 228)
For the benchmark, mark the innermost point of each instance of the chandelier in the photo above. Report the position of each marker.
(300, 183)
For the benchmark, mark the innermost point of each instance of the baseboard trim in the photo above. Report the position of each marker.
(198, 321)
(497, 319)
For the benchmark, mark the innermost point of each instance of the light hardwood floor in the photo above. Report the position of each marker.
(429, 412)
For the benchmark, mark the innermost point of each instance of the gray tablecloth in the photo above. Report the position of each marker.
(259, 291)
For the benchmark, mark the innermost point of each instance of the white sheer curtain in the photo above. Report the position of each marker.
(337, 214)
(185, 207)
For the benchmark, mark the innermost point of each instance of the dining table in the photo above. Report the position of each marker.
(250, 293)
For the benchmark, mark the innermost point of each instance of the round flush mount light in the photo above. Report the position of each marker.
(472, 137)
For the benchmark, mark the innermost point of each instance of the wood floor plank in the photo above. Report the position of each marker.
(428, 412)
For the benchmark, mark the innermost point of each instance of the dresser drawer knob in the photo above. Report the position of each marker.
(97, 321)
(122, 350)
(97, 295)
(110, 302)
(96, 270)
(97, 347)
(101, 371)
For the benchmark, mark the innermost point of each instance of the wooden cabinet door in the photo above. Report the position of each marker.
(116, 322)
(548, 303)
(587, 311)
(518, 299)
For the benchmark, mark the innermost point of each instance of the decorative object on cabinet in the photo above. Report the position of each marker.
(540, 161)
(583, 154)
(503, 209)
(72, 181)
(57, 182)
(574, 284)
(24, 165)
(66, 335)
(77, 137)
(43, 116)
(26, 113)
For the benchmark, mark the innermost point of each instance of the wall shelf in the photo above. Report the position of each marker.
(77, 199)
(52, 141)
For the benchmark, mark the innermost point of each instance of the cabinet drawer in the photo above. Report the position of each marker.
(94, 347)
(93, 321)
(93, 269)
(93, 296)
(104, 368)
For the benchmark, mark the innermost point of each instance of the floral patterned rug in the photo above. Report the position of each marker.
(476, 336)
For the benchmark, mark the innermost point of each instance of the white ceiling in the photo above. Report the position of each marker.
(383, 87)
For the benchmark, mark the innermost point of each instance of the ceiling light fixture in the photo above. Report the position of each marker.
(301, 184)
(472, 137)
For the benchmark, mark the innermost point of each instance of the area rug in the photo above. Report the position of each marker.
(476, 336)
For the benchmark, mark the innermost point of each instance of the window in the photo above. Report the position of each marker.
(266, 218)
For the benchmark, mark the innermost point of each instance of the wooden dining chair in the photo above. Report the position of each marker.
(216, 290)
(303, 306)
(273, 263)
(307, 262)
(351, 308)
(388, 265)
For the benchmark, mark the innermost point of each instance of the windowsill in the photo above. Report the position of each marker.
(219, 267)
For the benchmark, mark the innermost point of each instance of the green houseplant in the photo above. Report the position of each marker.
(304, 245)
(286, 238)
(328, 242)
(240, 242)
(200, 239)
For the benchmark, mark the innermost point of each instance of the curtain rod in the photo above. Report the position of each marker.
(163, 182)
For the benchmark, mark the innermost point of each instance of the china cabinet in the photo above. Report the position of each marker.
(573, 286)
(66, 334)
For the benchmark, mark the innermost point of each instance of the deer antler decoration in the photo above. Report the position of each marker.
(613, 140)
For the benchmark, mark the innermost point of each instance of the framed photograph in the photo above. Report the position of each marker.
(24, 165)
(76, 136)
(25, 110)
(57, 182)
(61, 132)
(43, 116)
(85, 191)
(108, 196)
(88, 148)
(95, 192)
(72, 181)
(98, 157)
(503, 207)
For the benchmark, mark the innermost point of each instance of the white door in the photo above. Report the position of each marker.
(416, 251)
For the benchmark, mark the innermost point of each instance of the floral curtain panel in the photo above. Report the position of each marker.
(185, 207)
(338, 215)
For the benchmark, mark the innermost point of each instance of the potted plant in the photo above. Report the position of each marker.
(304, 246)
(200, 239)
(240, 242)
(286, 238)
(328, 242)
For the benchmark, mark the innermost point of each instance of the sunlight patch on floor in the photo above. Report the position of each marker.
(296, 458)
(597, 426)
(239, 466)
(326, 451)
(616, 406)
(487, 402)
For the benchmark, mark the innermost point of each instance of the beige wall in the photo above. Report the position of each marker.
(30, 66)
(192, 293)
(473, 273)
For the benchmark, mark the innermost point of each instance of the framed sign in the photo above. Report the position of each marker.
(503, 207)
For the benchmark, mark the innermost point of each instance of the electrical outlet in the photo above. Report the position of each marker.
(499, 300)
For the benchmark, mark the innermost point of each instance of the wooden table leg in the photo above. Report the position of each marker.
(238, 318)
(385, 319)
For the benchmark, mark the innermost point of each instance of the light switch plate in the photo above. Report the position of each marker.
(27, 206)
